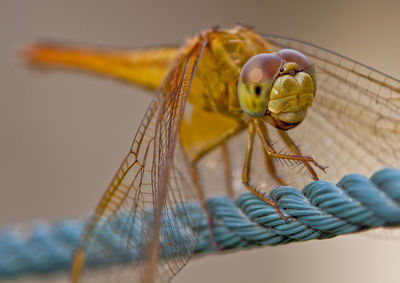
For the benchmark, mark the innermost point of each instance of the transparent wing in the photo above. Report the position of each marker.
(142, 214)
(353, 125)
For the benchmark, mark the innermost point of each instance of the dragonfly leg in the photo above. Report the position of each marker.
(226, 160)
(269, 163)
(202, 200)
(247, 168)
(269, 149)
(296, 150)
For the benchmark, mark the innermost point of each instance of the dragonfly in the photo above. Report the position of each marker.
(246, 110)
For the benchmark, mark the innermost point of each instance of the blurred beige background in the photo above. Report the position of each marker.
(63, 135)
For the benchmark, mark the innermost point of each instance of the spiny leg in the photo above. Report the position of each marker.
(296, 150)
(247, 168)
(226, 160)
(262, 132)
(269, 163)
(201, 197)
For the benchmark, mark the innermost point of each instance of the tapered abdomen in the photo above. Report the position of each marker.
(146, 68)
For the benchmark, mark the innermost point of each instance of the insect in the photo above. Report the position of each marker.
(257, 110)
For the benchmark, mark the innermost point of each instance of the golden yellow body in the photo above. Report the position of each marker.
(212, 113)
(212, 99)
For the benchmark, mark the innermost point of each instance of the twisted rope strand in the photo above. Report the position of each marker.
(321, 210)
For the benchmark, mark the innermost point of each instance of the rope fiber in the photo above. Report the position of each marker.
(321, 210)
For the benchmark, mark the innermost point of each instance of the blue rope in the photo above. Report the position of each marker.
(322, 210)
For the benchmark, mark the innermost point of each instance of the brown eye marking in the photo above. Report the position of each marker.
(257, 90)
(261, 68)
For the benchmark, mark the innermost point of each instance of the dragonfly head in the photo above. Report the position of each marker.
(278, 87)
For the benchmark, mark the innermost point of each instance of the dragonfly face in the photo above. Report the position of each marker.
(279, 87)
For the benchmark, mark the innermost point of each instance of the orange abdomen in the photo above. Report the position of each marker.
(146, 67)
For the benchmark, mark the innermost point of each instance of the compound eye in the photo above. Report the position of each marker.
(291, 55)
(260, 68)
(255, 82)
